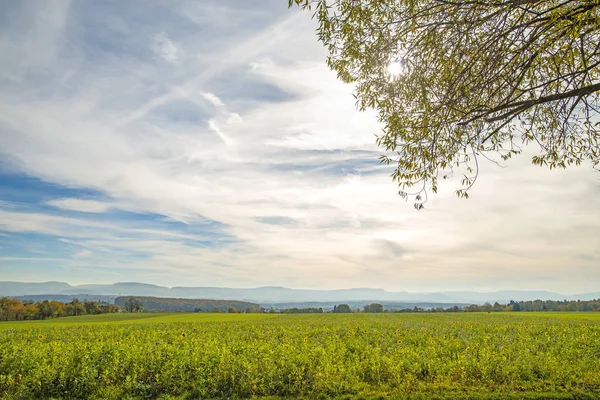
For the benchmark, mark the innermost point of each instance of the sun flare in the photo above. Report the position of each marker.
(396, 68)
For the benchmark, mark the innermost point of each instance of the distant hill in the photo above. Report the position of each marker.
(275, 294)
(21, 288)
(121, 288)
(66, 298)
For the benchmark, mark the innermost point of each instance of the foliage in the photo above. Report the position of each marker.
(312, 356)
(189, 305)
(132, 304)
(454, 81)
(16, 310)
(551, 305)
(342, 308)
(531, 305)
(306, 310)
(373, 308)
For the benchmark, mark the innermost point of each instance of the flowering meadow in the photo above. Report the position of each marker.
(188, 356)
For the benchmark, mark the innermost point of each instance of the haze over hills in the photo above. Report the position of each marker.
(276, 294)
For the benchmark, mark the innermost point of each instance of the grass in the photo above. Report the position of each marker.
(588, 315)
(145, 318)
(443, 356)
(132, 318)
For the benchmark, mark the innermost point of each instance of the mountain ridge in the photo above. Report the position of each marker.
(279, 294)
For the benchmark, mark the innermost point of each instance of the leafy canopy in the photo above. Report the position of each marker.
(454, 81)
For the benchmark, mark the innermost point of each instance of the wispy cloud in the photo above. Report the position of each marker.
(180, 143)
(82, 254)
(213, 99)
(88, 206)
(164, 48)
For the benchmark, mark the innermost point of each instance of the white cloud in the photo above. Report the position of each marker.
(212, 99)
(2, 259)
(32, 37)
(88, 206)
(215, 128)
(165, 48)
(82, 254)
(246, 161)
(234, 118)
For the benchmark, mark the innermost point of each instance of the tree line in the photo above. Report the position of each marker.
(306, 310)
(530, 305)
(17, 310)
(146, 303)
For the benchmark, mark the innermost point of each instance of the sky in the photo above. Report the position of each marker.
(206, 143)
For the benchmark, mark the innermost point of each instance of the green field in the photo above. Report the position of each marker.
(417, 356)
(127, 318)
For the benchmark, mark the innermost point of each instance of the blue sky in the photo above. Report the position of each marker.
(206, 143)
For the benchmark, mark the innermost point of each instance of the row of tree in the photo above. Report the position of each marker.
(17, 310)
(532, 305)
(307, 310)
(232, 310)
(369, 308)
(153, 304)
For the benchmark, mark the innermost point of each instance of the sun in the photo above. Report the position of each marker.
(396, 68)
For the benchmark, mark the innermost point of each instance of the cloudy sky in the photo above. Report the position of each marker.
(206, 143)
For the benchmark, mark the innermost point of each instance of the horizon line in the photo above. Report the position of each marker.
(291, 288)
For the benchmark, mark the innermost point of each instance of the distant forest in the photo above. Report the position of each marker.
(534, 305)
(18, 310)
(137, 303)
(540, 305)
(12, 309)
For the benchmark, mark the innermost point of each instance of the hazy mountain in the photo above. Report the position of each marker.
(121, 288)
(20, 288)
(276, 294)
(66, 298)
(585, 296)
(505, 296)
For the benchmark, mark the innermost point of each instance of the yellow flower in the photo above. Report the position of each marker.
(305, 340)
(40, 336)
(399, 341)
(183, 335)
